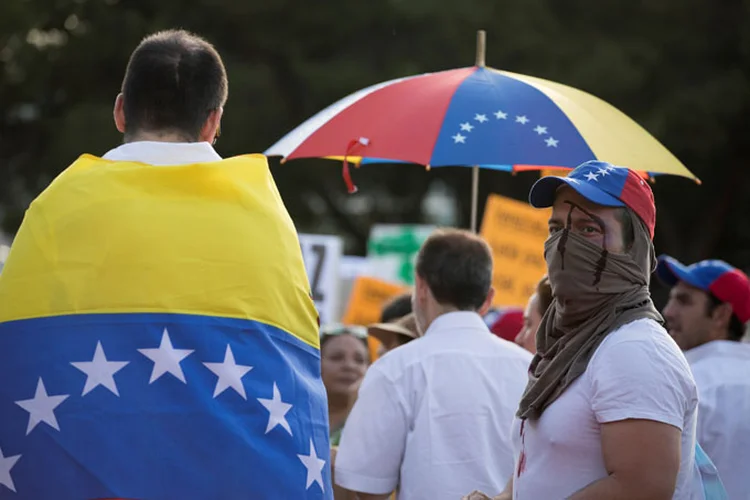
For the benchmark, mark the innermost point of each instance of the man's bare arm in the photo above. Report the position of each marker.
(642, 458)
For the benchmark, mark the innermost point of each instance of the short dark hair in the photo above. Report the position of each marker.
(173, 81)
(543, 294)
(398, 307)
(457, 266)
(736, 328)
(628, 231)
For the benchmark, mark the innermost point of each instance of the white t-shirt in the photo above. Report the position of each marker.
(434, 416)
(722, 372)
(636, 372)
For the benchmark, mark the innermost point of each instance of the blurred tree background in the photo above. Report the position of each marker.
(681, 68)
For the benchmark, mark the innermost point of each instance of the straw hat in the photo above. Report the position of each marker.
(405, 326)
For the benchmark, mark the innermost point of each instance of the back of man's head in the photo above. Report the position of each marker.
(457, 267)
(173, 82)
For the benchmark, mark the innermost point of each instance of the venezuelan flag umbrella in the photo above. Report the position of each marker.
(479, 117)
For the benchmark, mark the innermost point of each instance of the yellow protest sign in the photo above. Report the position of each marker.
(367, 298)
(516, 232)
(558, 172)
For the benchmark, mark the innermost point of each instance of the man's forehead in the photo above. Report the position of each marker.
(683, 288)
(567, 194)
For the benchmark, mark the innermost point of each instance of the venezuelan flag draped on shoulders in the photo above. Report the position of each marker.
(158, 340)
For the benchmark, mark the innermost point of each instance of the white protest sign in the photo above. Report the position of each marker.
(322, 254)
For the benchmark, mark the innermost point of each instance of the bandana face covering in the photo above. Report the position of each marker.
(595, 292)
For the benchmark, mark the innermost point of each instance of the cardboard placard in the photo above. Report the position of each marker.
(516, 233)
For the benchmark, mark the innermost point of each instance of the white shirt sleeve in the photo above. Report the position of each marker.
(373, 440)
(638, 379)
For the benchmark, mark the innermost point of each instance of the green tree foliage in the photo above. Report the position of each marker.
(680, 68)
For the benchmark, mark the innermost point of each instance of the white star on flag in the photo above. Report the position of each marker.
(99, 371)
(591, 176)
(166, 359)
(467, 127)
(458, 138)
(500, 115)
(480, 118)
(610, 168)
(42, 407)
(6, 464)
(522, 120)
(230, 374)
(551, 142)
(277, 410)
(314, 467)
(602, 171)
(540, 130)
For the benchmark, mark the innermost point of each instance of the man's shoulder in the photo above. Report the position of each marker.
(643, 346)
(641, 331)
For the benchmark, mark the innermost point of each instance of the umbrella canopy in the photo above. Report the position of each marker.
(477, 116)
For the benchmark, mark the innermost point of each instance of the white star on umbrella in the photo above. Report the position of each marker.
(6, 464)
(540, 130)
(230, 374)
(41, 407)
(551, 142)
(459, 139)
(277, 410)
(314, 467)
(166, 359)
(591, 176)
(500, 115)
(522, 120)
(467, 127)
(480, 118)
(99, 371)
(602, 171)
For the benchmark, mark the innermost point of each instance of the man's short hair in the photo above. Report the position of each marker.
(457, 267)
(174, 80)
(398, 307)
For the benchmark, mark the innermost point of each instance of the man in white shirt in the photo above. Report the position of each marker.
(611, 406)
(433, 417)
(708, 307)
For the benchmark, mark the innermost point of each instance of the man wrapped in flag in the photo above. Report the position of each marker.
(157, 337)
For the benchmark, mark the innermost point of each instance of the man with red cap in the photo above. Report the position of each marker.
(611, 406)
(708, 307)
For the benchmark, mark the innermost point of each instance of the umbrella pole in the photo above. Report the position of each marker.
(474, 197)
(480, 62)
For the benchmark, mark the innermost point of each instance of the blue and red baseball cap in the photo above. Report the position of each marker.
(604, 184)
(725, 282)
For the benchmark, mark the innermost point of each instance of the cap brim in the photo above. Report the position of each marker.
(542, 194)
(670, 271)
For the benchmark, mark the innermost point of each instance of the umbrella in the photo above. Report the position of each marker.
(479, 117)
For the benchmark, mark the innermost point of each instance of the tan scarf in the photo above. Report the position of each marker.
(595, 292)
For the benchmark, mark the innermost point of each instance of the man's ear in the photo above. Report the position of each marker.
(487, 302)
(210, 130)
(722, 315)
(119, 113)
